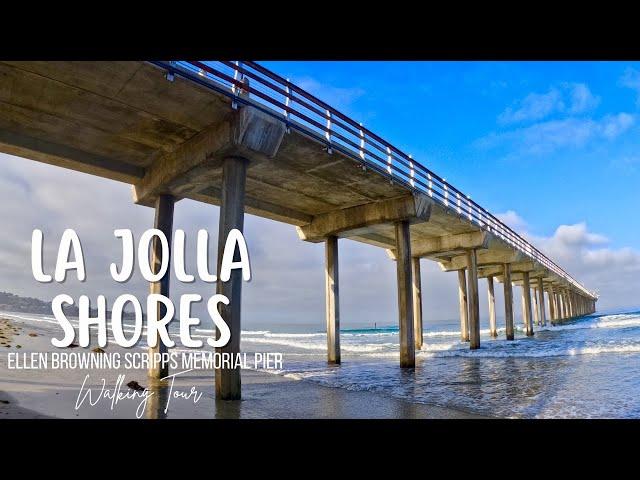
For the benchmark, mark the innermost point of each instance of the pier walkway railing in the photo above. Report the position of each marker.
(251, 84)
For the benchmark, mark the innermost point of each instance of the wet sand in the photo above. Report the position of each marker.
(55, 393)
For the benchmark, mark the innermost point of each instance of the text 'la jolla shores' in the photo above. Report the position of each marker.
(160, 309)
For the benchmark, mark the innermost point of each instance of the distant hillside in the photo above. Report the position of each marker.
(14, 303)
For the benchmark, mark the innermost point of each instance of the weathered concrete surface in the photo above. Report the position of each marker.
(332, 293)
(234, 173)
(405, 300)
(464, 305)
(163, 221)
(493, 329)
(416, 278)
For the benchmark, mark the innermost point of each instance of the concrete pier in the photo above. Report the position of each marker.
(234, 172)
(536, 307)
(173, 131)
(542, 313)
(464, 307)
(526, 292)
(474, 303)
(405, 300)
(416, 279)
(493, 330)
(163, 221)
(332, 300)
(508, 301)
(552, 305)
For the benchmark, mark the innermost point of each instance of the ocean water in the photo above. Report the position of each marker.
(589, 368)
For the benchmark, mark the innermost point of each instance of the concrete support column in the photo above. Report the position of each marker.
(333, 300)
(542, 313)
(405, 301)
(552, 306)
(474, 302)
(417, 301)
(508, 301)
(234, 173)
(464, 308)
(526, 291)
(163, 221)
(536, 307)
(493, 330)
(572, 312)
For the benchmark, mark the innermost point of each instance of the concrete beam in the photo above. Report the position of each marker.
(485, 258)
(354, 221)
(61, 155)
(249, 134)
(451, 245)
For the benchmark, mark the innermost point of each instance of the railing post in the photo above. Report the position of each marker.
(411, 172)
(327, 133)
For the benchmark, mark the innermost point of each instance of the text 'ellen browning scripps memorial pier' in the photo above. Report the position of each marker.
(235, 134)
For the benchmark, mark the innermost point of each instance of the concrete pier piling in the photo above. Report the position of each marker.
(405, 300)
(526, 292)
(474, 303)
(464, 308)
(417, 301)
(536, 307)
(234, 172)
(543, 313)
(163, 221)
(508, 301)
(332, 300)
(493, 330)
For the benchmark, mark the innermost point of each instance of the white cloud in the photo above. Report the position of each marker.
(534, 106)
(570, 98)
(513, 220)
(588, 257)
(612, 126)
(548, 136)
(582, 99)
(631, 79)
(339, 97)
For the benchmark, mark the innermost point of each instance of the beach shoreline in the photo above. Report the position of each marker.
(50, 393)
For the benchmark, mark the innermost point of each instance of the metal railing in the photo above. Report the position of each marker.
(251, 84)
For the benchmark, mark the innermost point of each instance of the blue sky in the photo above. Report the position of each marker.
(540, 128)
(551, 148)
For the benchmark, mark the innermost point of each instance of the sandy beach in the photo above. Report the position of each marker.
(58, 393)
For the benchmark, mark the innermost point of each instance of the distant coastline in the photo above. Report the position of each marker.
(15, 303)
